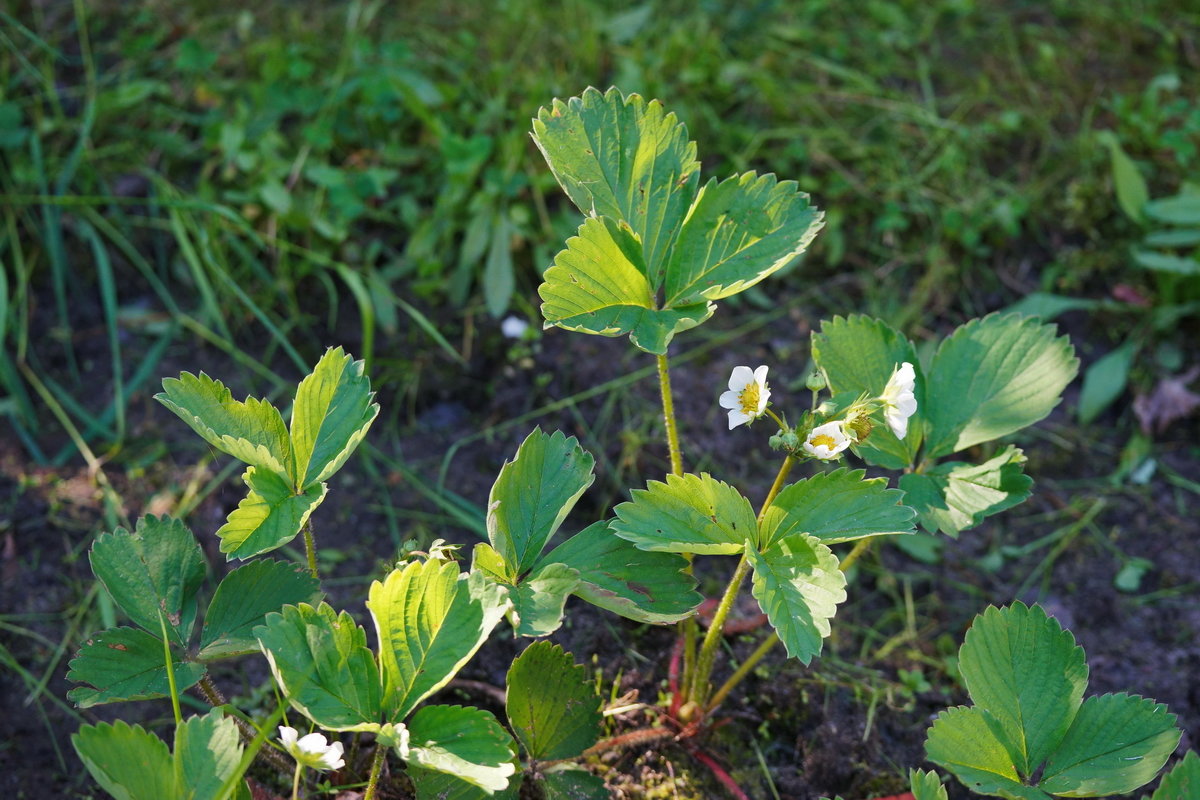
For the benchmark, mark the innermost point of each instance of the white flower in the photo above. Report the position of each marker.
(747, 396)
(513, 327)
(827, 440)
(899, 402)
(311, 750)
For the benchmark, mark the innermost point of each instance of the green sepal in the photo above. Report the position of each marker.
(954, 496)
(126, 664)
(430, 620)
(798, 585)
(687, 514)
(331, 415)
(251, 431)
(244, 597)
(837, 506)
(638, 584)
(465, 742)
(321, 661)
(270, 516)
(551, 704)
(154, 571)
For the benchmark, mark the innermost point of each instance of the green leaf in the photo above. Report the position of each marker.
(798, 585)
(598, 285)
(154, 571)
(1132, 194)
(858, 355)
(623, 158)
(532, 495)
(498, 279)
(539, 598)
(687, 514)
(1048, 306)
(1180, 237)
(573, 783)
(268, 517)
(616, 575)
(1182, 782)
(1165, 262)
(962, 741)
(321, 660)
(837, 506)
(738, 232)
(1182, 209)
(1116, 744)
(125, 664)
(207, 752)
(433, 785)
(994, 376)
(551, 704)
(467, 743)
(252, 431)
(244, 597)
(926, 785)
(430, 621)
(955, 496)
(128, 762)
(1027, 676)
(332, 413)
(1105, 380)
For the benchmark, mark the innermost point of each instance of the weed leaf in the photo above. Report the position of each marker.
(532, 495)
(244, 597)
(125, 664)
(837, 506)
(465, 742)
(617, 576)
(1182, 209)
(738, 232)
(155, 570)
(332, 413)
(962, 741)
(1117, 743)
(994, 376)
(128, 762)
(955, 496)
(268, 517)
(251, 431)
(687, 514)
(551, 705)
(430, 621)
(321, 660)
(798, 585)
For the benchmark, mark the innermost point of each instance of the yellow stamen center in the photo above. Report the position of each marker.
(824, 440)
(749, 398)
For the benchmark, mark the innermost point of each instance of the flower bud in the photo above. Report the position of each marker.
(815, 381)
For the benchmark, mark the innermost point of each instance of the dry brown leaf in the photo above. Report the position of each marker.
(1170, 400)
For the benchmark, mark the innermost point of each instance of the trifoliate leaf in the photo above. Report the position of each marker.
(532, 495)
(552, 706)
(128, 762)
(207, 752)
(926, 785)
(252, 431)
(955, 496)
(798, 585)
(687, 514)
(573, 783)
(598, 285)
(467, 743)
(1182, 782)
(994, 376)
(738, 232)
(624, 158)
(1027, 676)
(1116, 744)
(270, 516)
(638, 584)
(858, 355)
(430, 621)
(153, 572)
(539, 598)
(837, 506)
(244, 597)
(126, 664)
(321, 660)
(962, 741)
(332, 413)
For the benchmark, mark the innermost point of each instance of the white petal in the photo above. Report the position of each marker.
(760, 374)
(764, 394)
(288, 736)
(740, 379)
(312, 743)
(730, 400)
(332, 758)
(737, 417)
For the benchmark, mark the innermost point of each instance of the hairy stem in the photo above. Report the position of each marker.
(296, 782)
(310, 547)
(668, 404)
(856, 552)
(268, 754)
(376, 769)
